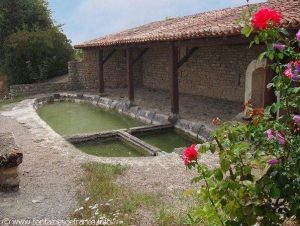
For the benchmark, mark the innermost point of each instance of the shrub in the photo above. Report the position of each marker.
(258, 180)
(35, 56)
(19, 15)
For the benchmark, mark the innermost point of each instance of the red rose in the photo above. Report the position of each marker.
(190, 154)
(265, 17)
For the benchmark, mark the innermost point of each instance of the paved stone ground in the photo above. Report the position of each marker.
(51, 169)
(192, 107)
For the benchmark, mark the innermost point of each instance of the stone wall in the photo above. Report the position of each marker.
(38, 88)
(114, 69)
(73, 83)
(155, 69)
(217, 72)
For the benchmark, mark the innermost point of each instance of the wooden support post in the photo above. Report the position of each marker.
(101, 71)
(173, 75)
(130, 81)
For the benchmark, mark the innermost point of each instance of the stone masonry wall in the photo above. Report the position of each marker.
(114, 70)
(217, 72)
(38, 88)
(87, 70)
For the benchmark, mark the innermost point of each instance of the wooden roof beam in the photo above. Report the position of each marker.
(109, 56)
(140, 55)
(187, 56)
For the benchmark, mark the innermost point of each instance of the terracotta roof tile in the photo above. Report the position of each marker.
(209, 24)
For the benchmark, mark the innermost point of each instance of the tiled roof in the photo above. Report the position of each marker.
(210, 24)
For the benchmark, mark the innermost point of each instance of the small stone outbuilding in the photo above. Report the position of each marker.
(202, 54)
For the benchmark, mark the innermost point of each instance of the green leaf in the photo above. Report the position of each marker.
(247, 170)
(271, 55)
(219, 174)
(247, 30)
(280, 56)
(262, 55)
(275, 192)
(196, 179)
(256, 40)
(237, 148)
(275, 107)
(268, 109)
(225, 165)
(296, 90)
(284, 31)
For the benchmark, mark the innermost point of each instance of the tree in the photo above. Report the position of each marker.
(35, 56)
(31, 47)
(18, 15)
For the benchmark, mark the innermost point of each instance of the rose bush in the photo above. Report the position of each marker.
(258, 179)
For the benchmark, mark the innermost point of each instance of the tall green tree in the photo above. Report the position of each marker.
(32, 48)
(18, 15)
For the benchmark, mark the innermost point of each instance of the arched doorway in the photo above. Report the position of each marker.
(255, 83)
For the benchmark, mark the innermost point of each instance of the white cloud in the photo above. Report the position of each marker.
(94, 18)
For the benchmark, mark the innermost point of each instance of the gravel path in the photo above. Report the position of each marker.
(51, 168)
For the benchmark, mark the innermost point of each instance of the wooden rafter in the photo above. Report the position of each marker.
(187, 56)
(140, 55)
(109, 56)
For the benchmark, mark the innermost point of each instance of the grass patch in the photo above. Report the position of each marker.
(181, 213)
(11, 101)
(167, 216)
(106, 202)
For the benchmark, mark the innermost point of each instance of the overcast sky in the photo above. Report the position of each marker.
(87, 19)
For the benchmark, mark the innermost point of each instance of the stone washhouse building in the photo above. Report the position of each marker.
(202, 54)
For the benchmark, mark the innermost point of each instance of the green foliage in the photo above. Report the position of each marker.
(36, 56)
(78, 54)
(258, 180)
(16, 15)
(32, 49)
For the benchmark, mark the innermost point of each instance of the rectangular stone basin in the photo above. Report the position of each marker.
(167, 140)
(112, 148)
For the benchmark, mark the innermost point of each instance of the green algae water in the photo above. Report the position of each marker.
(74, 118)
(167, 141)
(112, 148)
